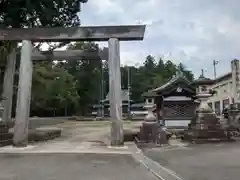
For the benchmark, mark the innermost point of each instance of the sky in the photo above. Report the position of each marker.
(194, 32)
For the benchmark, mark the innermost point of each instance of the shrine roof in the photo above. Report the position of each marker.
(203, 81)
(172, 83)
(149, 93)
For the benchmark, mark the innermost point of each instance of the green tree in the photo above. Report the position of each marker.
(169, 69)
(54, 90)
(188, 74)
(159, 77)
(41, 13)
(88, 73)
(151, 75)
(150, 63)
(160, 65)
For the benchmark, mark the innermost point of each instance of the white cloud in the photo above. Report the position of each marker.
(106, 6)
(194, 32)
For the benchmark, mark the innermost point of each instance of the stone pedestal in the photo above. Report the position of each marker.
(151, 132)
(148, 132)
(1, 113)
(205, 127)
(234, 116)
(5, 136)
(232, 121)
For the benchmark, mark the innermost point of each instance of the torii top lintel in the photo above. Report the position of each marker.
(82, 33)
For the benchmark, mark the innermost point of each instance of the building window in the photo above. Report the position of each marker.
(210, 105)
(225, 103)
(149, 101)
(203, 88)
(217, 108)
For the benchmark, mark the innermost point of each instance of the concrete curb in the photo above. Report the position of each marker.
(34, 149)
(63, 152)
(155, 168)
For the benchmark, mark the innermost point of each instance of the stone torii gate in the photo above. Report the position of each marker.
(112, 34)
(40, 56)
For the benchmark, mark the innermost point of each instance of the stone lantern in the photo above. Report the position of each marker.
(1, 111)
(150, 117)
(205, 127)
(202, 94)
(6, 137)
(201, 88)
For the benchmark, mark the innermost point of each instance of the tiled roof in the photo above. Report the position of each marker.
(174, 79)
(170, 82)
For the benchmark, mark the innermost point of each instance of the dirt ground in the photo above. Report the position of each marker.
(92, 130)
(78, 136)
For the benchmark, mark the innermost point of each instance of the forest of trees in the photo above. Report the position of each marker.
(67, 88)
(71, 87)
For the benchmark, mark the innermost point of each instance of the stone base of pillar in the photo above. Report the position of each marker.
(117, 133)
(117, 143)
(20, 144)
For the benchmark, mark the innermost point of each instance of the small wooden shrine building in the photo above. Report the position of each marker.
(174, 101)
(96, 109)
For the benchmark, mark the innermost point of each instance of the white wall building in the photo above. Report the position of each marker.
(224, 93)
(227, 89)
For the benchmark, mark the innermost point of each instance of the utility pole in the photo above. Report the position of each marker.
(102, 89)
(214, 68)
(129, 91)
(202, 74)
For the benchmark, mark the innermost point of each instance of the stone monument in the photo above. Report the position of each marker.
(205, 127)
(1, 112)
(5, 136)
(151, 132)
(232, 114)
(232, 120)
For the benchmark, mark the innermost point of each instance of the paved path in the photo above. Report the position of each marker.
(71, 167)
(200, 162)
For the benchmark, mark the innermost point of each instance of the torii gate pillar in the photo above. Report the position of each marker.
(24, 95)
(115, 92)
